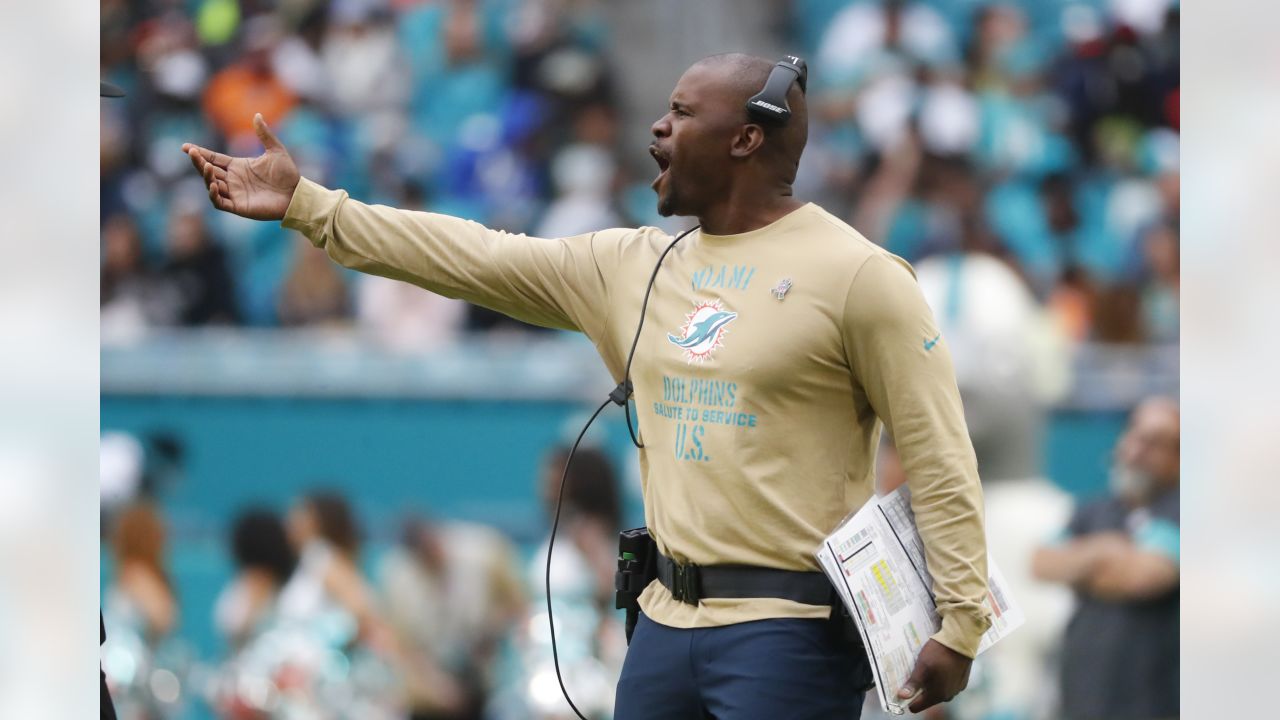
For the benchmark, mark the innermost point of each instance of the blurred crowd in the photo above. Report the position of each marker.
(448, 620)
(444, 619)
(1037, 139)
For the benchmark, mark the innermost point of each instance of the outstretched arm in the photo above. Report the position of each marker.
(557, 283)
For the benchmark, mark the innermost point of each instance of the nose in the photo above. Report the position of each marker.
(662, 128)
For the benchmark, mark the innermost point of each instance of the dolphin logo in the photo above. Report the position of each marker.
(703, 330)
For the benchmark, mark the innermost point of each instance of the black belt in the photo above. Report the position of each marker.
(691, 583)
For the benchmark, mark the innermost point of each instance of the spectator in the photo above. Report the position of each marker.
(323, 533)
(403, 318)
(363, 60)
(1160, 294)
(591, 640)
(999, 36)
(127, 283)
(142, 595)
(249, 86)
(314, 292)
(592, 513)
(196, 281)
(584, 177)
(139, 615)
(399, 315)
(867, 37)
(1071, 303)
(453, 594)
(1120, 554)
(329, 594)
(264, 561)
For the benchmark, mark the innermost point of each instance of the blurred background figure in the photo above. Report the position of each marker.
(453, 594)
(589, 632)
(140, 611)
(316, 645)
(328, 589)
(1120, 555)
(584, 179)
(248, 86)
(127, 283)
(314, 292)
(399, 316)
(264, 563)
(141, 598)
(195, 282)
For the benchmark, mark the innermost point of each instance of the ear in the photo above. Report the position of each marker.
(748, 140)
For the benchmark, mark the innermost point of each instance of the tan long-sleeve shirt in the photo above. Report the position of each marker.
(767, 363)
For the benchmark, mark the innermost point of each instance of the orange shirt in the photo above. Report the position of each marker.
(237, 92)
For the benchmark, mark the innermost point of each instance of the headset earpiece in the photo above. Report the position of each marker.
(770, 104)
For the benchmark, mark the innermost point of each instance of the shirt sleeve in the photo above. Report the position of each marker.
(555, 283)
(901, 363)
(1160, 536)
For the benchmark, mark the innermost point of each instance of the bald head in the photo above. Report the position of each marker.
(715, 161)
(742, 76)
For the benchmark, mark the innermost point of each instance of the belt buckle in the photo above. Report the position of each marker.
(686, 585)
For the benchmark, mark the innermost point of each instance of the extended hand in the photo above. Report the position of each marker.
(940, 674)
(259, 188)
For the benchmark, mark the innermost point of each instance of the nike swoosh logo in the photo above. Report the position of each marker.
(928, 344)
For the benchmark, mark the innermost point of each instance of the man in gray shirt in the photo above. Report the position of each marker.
(1120, 554)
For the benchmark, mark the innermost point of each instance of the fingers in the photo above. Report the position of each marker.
(215, 178)
(918, 679)
(212, 173)
(268, 138)
(207, 155)
(926, 699)
(917, 688)
(219, 194)
(193, 154)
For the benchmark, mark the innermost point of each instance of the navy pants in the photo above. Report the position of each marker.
(781, 669)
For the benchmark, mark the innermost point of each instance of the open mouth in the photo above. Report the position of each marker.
(663, 161)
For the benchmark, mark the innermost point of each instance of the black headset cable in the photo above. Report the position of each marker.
(623, 391)
(619, 397)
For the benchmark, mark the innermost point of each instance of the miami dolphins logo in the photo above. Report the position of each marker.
(703, 330)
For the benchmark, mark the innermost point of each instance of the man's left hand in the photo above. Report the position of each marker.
(940, 674)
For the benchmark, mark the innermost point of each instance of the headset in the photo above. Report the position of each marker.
(767, 106)
(770, 104)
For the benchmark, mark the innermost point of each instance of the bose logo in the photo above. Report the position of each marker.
(768, 106)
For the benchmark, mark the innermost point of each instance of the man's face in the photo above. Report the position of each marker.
(1151, 444)
(692, 141)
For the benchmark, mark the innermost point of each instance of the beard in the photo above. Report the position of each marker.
(667, 203)
(1131, 482)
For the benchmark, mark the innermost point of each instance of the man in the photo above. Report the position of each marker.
(774, 339)
(1120, 656)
